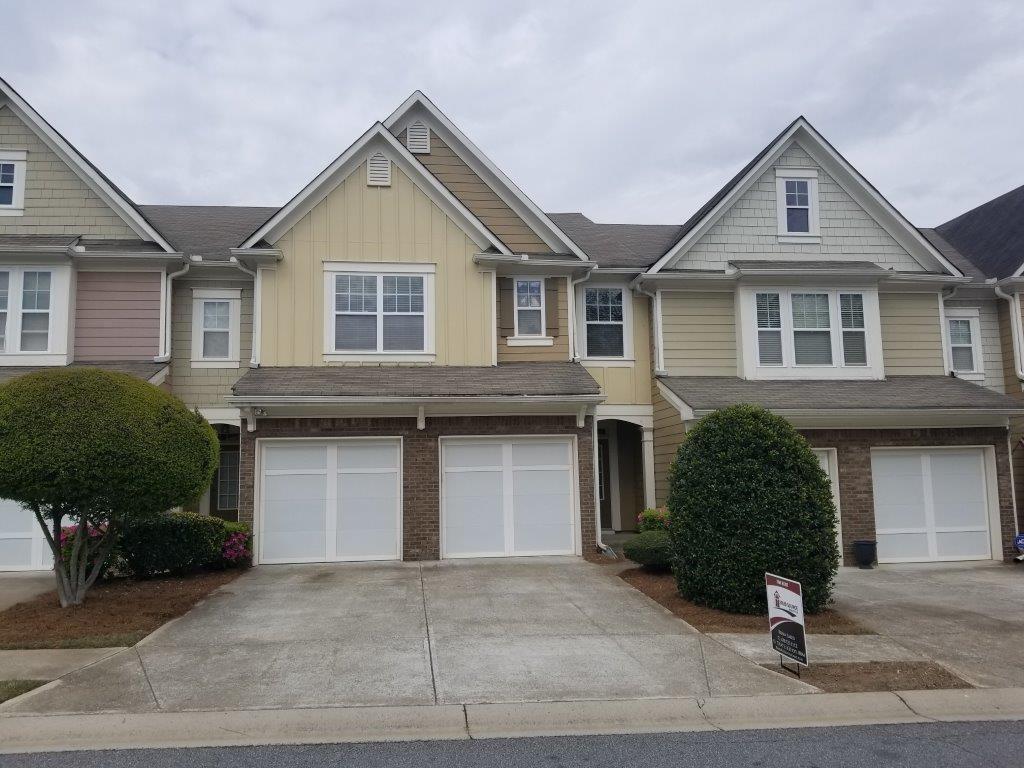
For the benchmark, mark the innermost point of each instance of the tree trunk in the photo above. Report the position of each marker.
(82, 568)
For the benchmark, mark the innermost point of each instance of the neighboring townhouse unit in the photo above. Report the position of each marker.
(411, 360)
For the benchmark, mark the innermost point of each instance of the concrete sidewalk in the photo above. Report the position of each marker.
(39, 733)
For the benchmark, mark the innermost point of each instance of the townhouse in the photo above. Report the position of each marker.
(411, 360)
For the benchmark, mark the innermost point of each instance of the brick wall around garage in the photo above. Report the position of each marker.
(420, 471)
(856, 499)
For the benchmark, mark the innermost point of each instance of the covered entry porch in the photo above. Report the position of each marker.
(625, 466)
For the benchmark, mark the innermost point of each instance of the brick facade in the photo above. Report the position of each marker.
(856, 499)
(421, 491)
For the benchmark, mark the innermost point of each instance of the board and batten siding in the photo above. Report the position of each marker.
(57, 201)
(749, 229)
(358, 223)
(669, 433)
(699, 333)
(556, 299)
(628, 385)
(205, 387)
(117, 315)
(911, 334)
(991, 338)
(474, 193)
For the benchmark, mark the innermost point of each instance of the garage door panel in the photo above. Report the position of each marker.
(294, 517)
(958, 490)
(368, 455)
(289, 457)
(464, 455)
(474, 513)
(15, 553)
(534, 453)
(367, 523)
(963, 544)
(893, 547)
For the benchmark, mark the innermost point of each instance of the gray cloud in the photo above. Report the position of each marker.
(626, 111)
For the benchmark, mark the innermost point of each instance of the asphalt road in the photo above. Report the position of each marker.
(929, 746)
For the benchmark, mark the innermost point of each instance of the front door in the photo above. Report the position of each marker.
(604, 483)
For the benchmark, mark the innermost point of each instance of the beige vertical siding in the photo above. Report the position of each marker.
(911, 334)
(629, 385)
(669, 434)
(991, 341)
(358, 223)
(699, 332)
(117, 315)
(474, 193)
(559, 350)
(57, 201)
(205, 387)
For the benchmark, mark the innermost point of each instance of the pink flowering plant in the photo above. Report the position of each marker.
(652, 520)
(236, 550)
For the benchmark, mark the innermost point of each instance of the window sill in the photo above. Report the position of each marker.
(379, 357)
(530, 341)
(793, 239)
(6, 211)
(816, 373)
(609, 362)
(34, 358)
(216, 364)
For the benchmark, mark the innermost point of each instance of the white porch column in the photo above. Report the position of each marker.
(648, 462)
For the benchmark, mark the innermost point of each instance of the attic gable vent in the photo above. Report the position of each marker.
(417, 138)
(378, 170)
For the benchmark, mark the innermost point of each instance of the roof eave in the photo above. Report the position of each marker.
(258, 400)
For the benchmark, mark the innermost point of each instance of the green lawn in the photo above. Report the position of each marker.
(11, 688)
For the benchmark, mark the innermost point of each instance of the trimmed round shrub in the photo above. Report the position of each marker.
(651, 549)
(747, 495)
(172, 542)
(652, 520)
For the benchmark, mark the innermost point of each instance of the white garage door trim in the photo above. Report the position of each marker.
(19, 526)
(828, 458)
(989, 489)
(331, 495)
(508, 500)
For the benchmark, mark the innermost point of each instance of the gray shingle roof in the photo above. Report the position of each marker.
(209, 231)
(991, 235)
(953, 256)
(140, 369)
(618, 245)
(707, 393)
(808, 266)
(38, 241)
(506, 379)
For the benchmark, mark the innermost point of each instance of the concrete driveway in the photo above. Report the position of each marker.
(455, 632)
(967, 616)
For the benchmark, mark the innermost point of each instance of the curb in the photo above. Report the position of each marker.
(46, 733)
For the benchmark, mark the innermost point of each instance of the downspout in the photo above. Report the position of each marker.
(257, 306)
(165, 353)
(659, 342)
(1015, 330)
(573, 352)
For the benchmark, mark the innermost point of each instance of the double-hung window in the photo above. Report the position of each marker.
(25, 310)
(796, 191)
(605, 322)
(830, 333)
(216, 328)
(529, 307)
(12, 182)
(379, 313)
(964, 337)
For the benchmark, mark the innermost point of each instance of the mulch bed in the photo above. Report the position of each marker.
(857, 677)
(115, 613)
(661, 587)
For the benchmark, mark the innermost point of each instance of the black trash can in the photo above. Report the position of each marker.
(865, 552)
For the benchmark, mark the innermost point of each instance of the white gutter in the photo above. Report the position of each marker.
(165, 321)
(257, 304)
(1015, 330)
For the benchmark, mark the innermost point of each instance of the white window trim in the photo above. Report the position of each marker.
(531, 340)
(234, 298)
(627, 359)
(973, 315)
(18, 157)
(752, 369)
(381, 270)
(810, 175)
(59, 330)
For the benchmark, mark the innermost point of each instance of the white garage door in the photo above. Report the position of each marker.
(330, 501)
(931, 505)
(507, 497)
(22, 544)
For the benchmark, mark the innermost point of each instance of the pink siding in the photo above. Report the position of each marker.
(117, 316)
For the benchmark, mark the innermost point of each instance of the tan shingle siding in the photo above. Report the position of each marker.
(911, 334)
(559, 350)
(991, 341)
(669, 434)
(699, 333)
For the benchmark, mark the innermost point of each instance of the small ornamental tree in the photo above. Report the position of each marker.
(92, 449)
(747, 495)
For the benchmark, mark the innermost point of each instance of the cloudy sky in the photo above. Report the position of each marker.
(627, 111)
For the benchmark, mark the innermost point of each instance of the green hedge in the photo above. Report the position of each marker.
(172, 542)
(747, 495)
(652, 520)
(651, 549)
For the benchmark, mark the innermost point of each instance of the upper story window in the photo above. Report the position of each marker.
(964, 338)
(216, 328)
(12, 182)
(379, 313)
(606, 319)
(796, 191)
(33, 314)
(529, 307)
(799, 333)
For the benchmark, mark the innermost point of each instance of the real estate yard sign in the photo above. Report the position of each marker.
(786, 617)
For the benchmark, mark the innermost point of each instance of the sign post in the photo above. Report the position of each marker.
(786, 619)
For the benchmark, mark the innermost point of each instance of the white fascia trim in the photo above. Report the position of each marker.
(860, 189)
(502, 185)
(685, 411)
(318, 189)
(60, 146)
